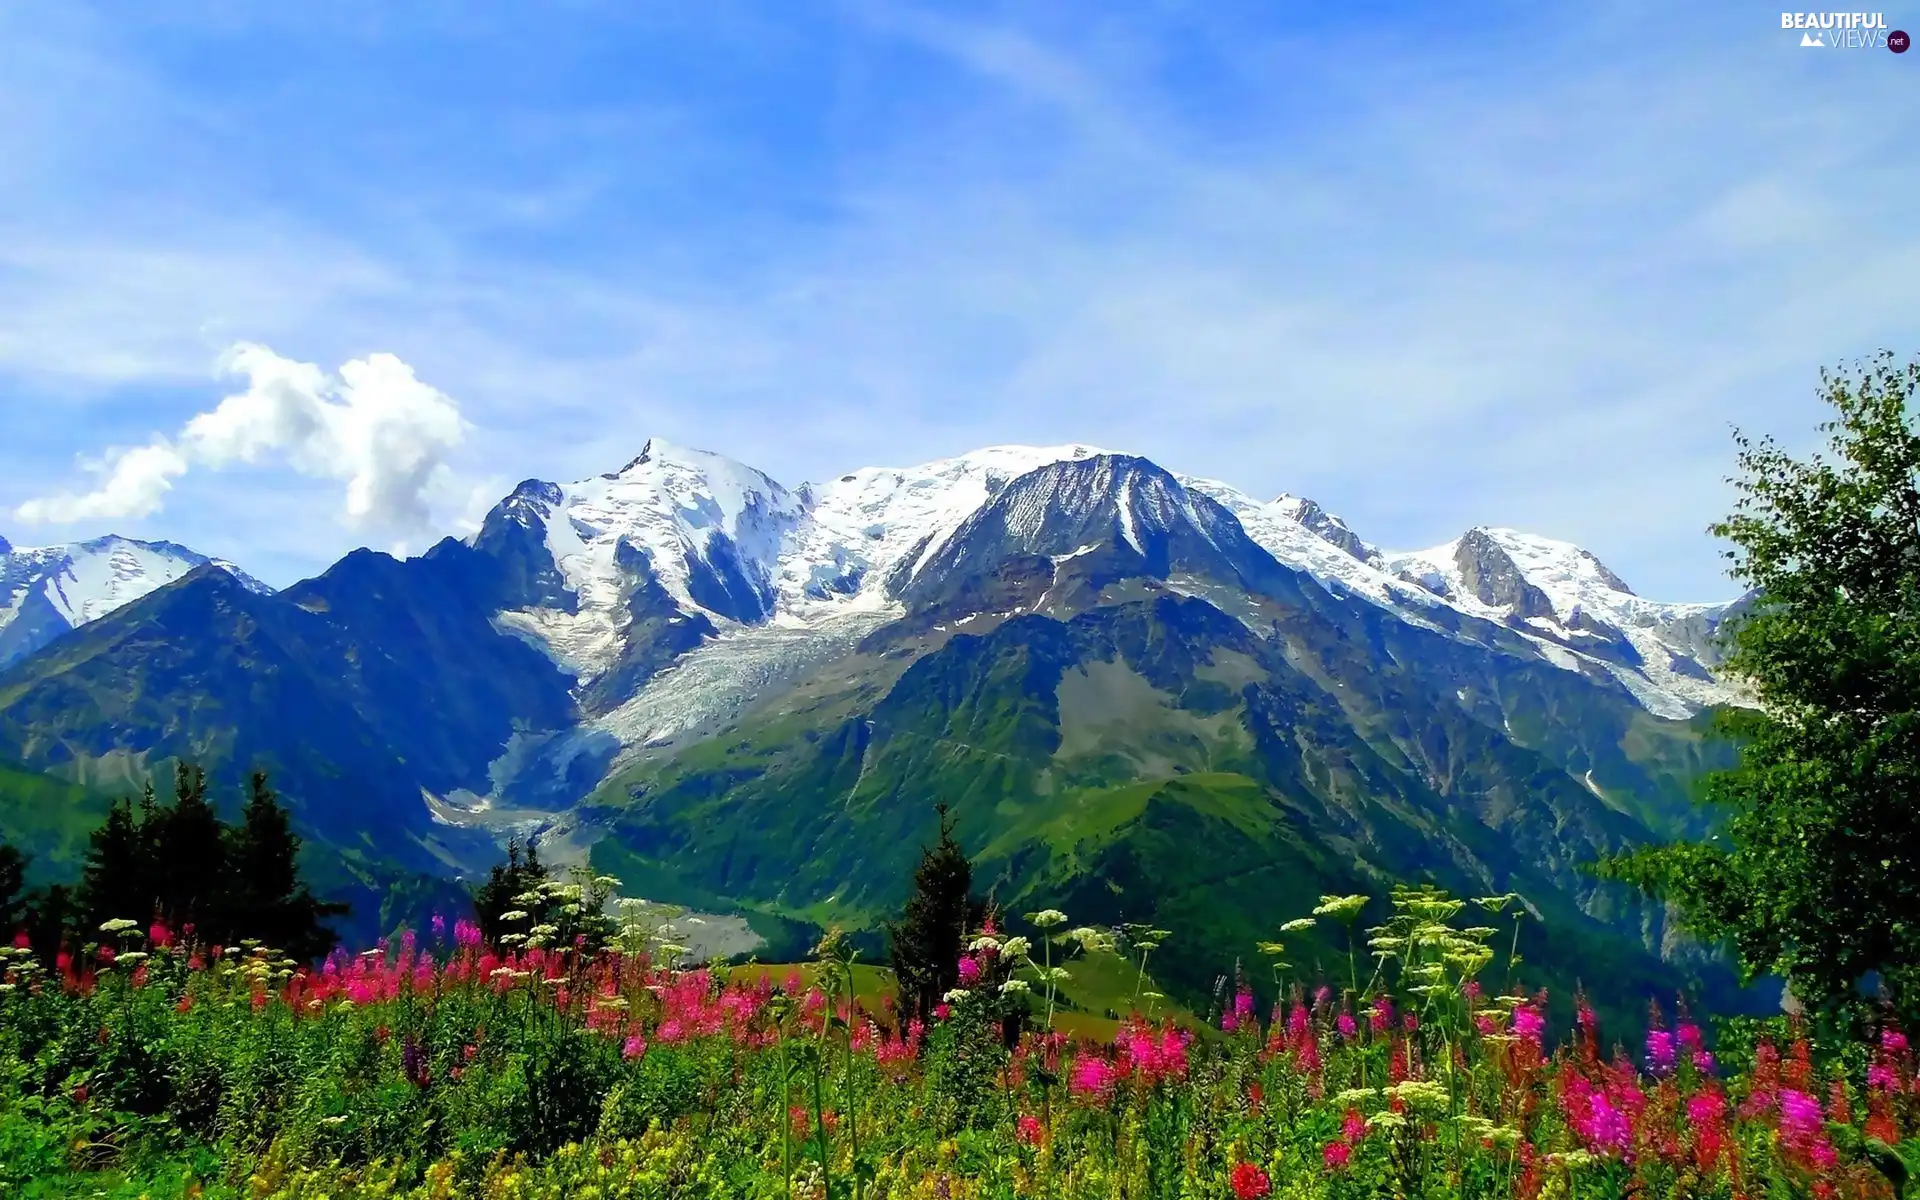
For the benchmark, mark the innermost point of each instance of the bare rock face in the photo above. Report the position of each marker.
(1492, 576)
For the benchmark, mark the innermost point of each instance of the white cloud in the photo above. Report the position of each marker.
(375, 426)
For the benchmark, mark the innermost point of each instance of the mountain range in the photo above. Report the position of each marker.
(1147, 697)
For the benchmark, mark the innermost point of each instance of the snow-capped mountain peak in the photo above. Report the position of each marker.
(1510, 570)
(1324, 525)
(1562, 595)
(683, 543)
(866, 528)
(47, 590)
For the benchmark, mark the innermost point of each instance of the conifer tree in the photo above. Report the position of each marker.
(13, 882)
(190, 856)
(116, 881)
(931, 933)
(514, 877)
(50, 913)
(266, 898)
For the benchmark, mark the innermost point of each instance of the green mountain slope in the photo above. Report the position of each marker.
(1155, 760)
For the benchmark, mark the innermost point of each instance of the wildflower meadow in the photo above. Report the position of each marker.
(595, 1063)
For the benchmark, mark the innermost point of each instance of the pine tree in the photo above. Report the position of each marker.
(265, 898)
(931, 933)
(190, 855)
(13, 882)
(508, 879)
(51, 912)
(116, 881)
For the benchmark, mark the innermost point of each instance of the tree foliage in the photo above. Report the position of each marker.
(1815, 876)
(13, 882)
(516, 876)
(931, 933)
(180, 864)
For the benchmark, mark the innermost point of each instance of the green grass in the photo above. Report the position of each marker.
(48, 818)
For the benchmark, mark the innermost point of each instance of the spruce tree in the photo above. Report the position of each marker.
(931, 933)
(506, 880)
(51, 913)
(189, 848)
(116, 881)
(13, 882)
(265, 897)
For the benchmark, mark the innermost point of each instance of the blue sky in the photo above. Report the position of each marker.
(1519, 267)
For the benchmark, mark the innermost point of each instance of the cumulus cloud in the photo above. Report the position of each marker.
(374, 426)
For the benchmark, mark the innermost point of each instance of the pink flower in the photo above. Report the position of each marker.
(1092, 1076)
(1705, 1108)
(1336, 1155)
(1298, 1023)
(1893, 1041)
(1347, 1026)
(1801, 1123)
(634, 1048)
(969, 971)
(1354, 1127)
(942, 1011)
(1660, 1051)
(1528, 1023)
(1250, 1182)
(1382, 1016)
(1029, 1131)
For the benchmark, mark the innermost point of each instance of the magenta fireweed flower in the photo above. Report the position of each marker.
(1092, 1077)
(1298, 1023)
(1528, 1024)
(1347, 1026)
(1382, 1016)
(969, 971)
(1595, 1116)
(1660, 1051)
(635, 1047)
(1336, 1155)
(1588, 1020)
(1801, 1123)
(1893, 1041)
(1353, 1127)
(1705, 1108)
